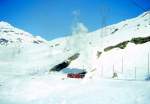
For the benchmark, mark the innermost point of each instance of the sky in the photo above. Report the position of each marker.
(55, 18)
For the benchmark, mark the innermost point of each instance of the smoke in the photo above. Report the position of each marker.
(80, 28)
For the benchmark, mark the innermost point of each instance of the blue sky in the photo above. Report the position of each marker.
(54, 18)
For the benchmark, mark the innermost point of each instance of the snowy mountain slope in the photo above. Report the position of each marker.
(13, 34)
(89, 44)
(22, 53)
(19, 47)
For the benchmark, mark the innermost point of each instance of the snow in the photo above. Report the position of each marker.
(132, 54)
(53, 90)
(25, 65)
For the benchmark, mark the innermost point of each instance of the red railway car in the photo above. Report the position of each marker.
(76, 75)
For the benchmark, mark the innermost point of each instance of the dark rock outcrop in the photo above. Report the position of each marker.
(65, 63)
(115, 31)
(98, 54)
(73, 57)
(108, 48)
(37, 41)
(140, 40)
(60, 66)
(121, 45)
(57, 44)
(3, 41)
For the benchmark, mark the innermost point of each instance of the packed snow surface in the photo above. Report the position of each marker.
(53, 90)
